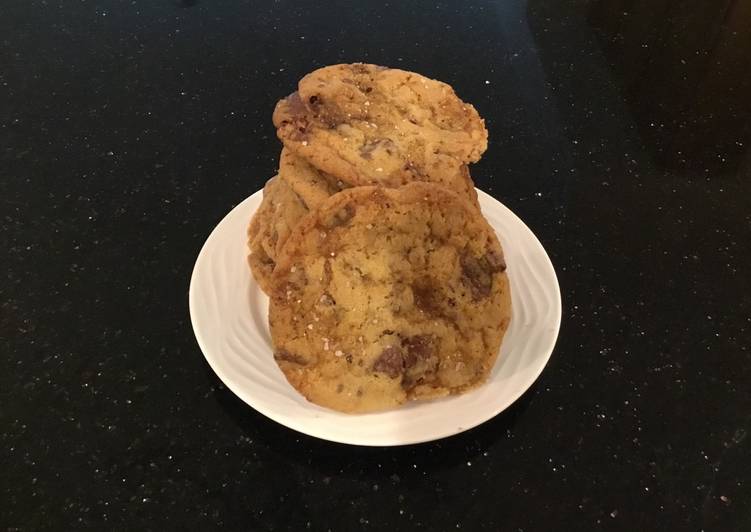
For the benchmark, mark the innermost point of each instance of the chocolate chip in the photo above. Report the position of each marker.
(420, 361)
(495, 261)
(295, 104)
(390, 362)
(426, 297)
(329, 115)
(419, 346)
(285, 356)
(339, 388)
(410, 359)
(298, 118)
(477, 273)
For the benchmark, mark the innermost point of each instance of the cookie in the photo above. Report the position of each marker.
(279, 212)
(382, 295)
(365, 125)
(313, 186)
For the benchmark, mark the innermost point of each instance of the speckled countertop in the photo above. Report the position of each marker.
(620, 133)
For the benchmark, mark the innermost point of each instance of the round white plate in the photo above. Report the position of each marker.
(229, 315)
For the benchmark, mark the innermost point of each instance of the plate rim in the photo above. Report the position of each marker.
(241, 393)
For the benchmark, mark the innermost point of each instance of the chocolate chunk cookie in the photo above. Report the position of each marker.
(365, 125)
(385, 295)
(279, 212)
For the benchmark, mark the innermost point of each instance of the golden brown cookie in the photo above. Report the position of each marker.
(314, 186)
(279, 212)
(385, 295)
(365, 124)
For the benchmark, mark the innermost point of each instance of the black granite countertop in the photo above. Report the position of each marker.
(619, 132)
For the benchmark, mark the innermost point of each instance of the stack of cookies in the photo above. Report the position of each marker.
(386, 283)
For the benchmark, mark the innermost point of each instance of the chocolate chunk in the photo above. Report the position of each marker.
(285, 356)
(420, 361)
(427, 297)
(298, 118)
(296, 105)
(410, 359)
(330, 115)
(419, 346)
(477, 273)
(496, 261)
(391, 362)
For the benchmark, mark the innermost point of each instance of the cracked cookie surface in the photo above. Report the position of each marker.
(387, 295)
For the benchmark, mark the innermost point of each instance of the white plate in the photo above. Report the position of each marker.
(229, 316)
